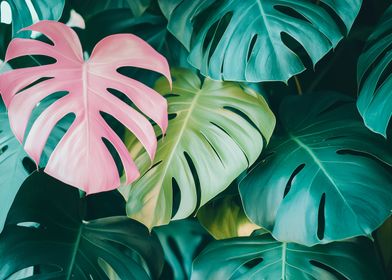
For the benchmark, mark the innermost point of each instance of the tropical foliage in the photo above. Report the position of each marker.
(190, 139)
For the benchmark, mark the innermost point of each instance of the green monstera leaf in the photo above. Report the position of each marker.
(25, 13)
(247, 40)
(324, 178)
(14, 165)
(181, 241)
(375, 77)
(216, 130)
(262, 257)
(63, 236)
(89, 8)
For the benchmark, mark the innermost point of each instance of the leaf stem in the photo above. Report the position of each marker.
(298, 85)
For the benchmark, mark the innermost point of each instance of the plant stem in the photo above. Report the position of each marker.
(298, 85)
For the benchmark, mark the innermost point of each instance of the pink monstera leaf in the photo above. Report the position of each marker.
(81, 158)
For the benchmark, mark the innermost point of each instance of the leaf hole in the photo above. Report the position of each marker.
(29, 165)
(290, 181)
(297, 48)
(329, 269)
(335, 17)
(115, 155)
(176, 197)
(288, 11)
(215, 34)
(321, 218)
(196, 180)
(251, 46)
(3, 149)
(29, 224)
(27, 61)
(253, 262)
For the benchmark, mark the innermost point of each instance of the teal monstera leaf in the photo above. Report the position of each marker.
(262, 257)
(242, 40)
(326, 177)
(24, 13)
(375, 77)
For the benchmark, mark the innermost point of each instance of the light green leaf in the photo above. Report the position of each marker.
(324, 178)
(216, 130)
(262, 257)
(225, 218)
(241, 40)
(375, 77)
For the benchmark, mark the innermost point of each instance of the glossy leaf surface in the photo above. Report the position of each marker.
(324, 178)
(242, 40)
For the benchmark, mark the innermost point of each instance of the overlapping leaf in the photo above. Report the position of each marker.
(216, 131)
(89, 8)
(375, 77)
(81, 158)
(243, 40)
(182, 241)
(47, 229)
(324, 178)
(262, 257)
(23, 16)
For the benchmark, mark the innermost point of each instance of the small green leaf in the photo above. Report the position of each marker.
(224, 218)
(324, 178)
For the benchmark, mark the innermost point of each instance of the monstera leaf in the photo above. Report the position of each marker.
(215, 132)
(182, 241)
(13, 168)
(375, 77)
(245, 40)
(323, 179)
(89, 8)
(23, 15)
(262, 257)
(46, 229)
(81, 153)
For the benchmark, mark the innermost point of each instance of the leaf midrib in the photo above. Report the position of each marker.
(179, 136)
(74, 252)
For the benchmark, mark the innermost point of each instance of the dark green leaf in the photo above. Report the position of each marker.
(89, 8)
(261, 257)
(182, 241)
(46, 229)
